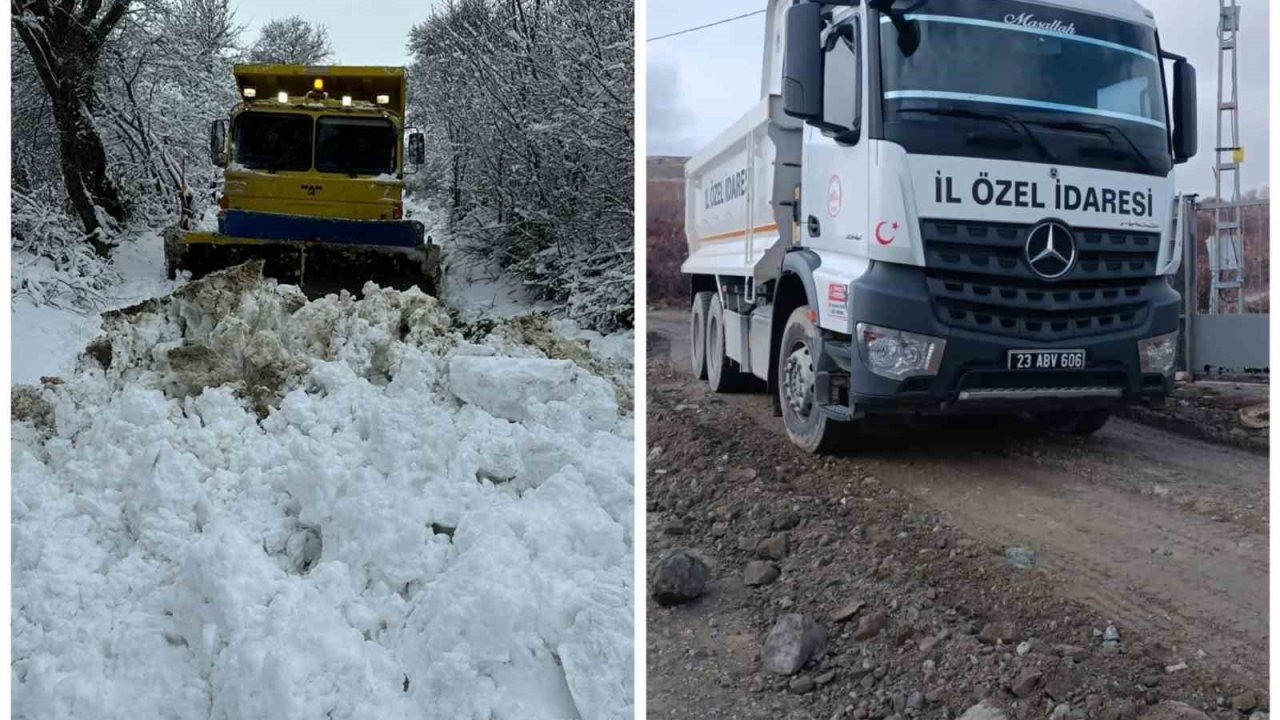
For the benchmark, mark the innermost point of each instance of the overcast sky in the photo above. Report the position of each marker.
(362, 32)
(702, 82)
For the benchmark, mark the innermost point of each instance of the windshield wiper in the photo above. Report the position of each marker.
(1107, 131)
(1016, 124)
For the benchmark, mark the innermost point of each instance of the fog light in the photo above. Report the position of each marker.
(282, 96)
(899, 355)
(1158, 354)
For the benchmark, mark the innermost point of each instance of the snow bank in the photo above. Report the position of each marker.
(245, 505)
(47, 337)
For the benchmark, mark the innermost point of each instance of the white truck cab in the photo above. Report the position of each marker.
(945, 206)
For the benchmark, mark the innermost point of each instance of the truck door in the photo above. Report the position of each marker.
(836, 155)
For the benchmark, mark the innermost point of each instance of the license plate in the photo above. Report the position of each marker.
(1046, 359)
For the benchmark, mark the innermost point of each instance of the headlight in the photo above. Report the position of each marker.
(899, 355)
(1157, 354)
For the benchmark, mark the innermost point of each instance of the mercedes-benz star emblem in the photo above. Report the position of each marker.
(1051, 250)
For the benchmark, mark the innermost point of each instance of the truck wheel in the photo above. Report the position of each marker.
(1087, 422)
(698, 333)
(807, 427)
(722, 373)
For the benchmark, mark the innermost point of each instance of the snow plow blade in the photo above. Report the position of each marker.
(319, 267)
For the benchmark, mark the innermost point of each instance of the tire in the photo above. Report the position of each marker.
(807, 427)
(723, 374)
(1086, 423)
(698, 333)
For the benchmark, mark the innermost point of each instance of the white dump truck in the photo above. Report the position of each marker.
(945, 206)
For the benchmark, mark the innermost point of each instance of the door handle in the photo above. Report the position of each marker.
(815, 228)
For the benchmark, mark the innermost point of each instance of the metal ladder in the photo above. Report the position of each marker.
(1226, 246)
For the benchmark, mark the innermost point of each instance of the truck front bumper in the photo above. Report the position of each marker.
(974, 374)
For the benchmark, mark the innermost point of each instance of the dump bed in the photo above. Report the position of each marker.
(739, 194)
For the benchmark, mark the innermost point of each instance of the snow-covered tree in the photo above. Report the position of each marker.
(291, 41)
(528, 112)
(64, 42)
(159, 77)
(166, 75)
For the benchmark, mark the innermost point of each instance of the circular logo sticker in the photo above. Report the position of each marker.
(835, 196)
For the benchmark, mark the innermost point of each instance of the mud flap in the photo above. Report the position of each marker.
(318, 268)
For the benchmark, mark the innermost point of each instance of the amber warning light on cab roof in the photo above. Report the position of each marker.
(375, 85)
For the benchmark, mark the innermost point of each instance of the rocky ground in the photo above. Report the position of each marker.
(1231, 412)
(1039, 576)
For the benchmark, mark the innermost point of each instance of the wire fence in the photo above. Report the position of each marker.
(1255, 222)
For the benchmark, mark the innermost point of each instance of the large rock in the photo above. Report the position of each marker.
(983, 711)
(792, 642)
(1061, 682)
(788, 520)
(1003, 631)
(847, 611)
(774, 548)
(1245, 701)
(870, 626)
(760, 573)
(1173, 710)
(1027, 683)
(679, 578)
(1020, 557)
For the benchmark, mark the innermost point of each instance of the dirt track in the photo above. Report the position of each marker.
(1164, 536)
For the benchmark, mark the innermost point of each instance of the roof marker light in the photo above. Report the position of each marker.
(283, 97)
(250, 93)
(346, 101)
(384, 99)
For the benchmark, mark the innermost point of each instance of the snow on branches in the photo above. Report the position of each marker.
(291, 41)
(528, 111)
(145, 90)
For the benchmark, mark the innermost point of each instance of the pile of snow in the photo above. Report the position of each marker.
(245, 505)
(614, 348)
(478, 292)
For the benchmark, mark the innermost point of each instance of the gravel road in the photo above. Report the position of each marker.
(1160, 536)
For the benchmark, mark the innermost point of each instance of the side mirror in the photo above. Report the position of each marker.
(1184, 112)
(842, 85)
(417, 149)
(218, 143)
(802, 62)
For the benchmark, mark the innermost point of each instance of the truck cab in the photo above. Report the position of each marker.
(315, 142)
(945, 206)
(314, 162)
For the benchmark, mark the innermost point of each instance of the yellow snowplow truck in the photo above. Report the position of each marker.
(314, 162)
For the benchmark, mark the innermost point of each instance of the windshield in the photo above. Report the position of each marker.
(1022, 81)
(273, 141)
(363, 146)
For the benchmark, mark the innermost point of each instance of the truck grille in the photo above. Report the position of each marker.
(980, 280)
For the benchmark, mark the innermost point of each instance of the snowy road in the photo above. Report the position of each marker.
(245, 505)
